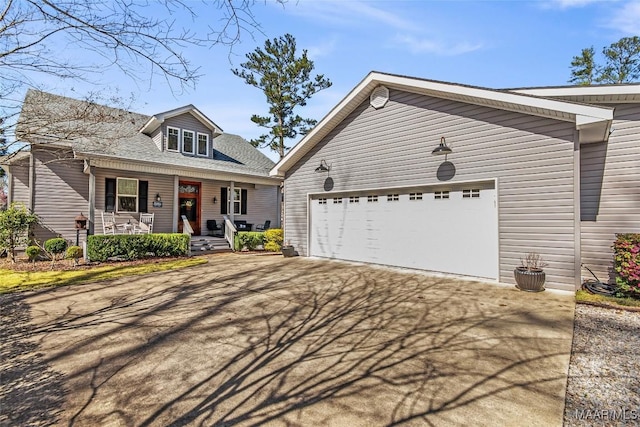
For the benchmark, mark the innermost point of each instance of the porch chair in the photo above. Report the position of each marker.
(265, 226)
(213, 228)
(109, 225)
(145, 224)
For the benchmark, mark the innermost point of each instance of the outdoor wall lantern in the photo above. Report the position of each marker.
(157, 202)
(215, 200)
(324, 167)
(441, 149)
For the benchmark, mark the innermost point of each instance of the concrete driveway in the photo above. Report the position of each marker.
(265, 340)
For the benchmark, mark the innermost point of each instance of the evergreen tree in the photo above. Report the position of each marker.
(287, 83)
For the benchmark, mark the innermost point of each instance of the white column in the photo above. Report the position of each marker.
(230, 199)
(92, 199)
(176, 205)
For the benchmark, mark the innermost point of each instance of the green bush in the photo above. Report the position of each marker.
(248, 239)
(74, 252)
(15, 223)
(136, 246)
(626, 250)
(55, 246)
(273, 239)
(33, 252)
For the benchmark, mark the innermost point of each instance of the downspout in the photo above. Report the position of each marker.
(577, 230)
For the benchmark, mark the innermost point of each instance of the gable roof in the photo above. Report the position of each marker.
(593, 121)
(107, 135)
(157, 119)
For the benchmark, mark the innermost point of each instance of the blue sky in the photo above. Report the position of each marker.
(496, 44)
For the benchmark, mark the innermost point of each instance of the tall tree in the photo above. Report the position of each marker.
(138, 37)
(622, 61)
(583, 67)
(287, 84)
(621, 64)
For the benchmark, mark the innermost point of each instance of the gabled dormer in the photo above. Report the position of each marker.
(184, 130)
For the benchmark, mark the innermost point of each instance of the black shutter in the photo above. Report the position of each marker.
(109, 194)
(243, 202)
(143, 195)
(223, 200)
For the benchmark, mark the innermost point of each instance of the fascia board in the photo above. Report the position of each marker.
(610, 90)
(164, 169)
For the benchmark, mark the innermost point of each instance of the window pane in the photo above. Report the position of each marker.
(128, 187)
(236, 207)
(187, 141)
(126, 204)
(202, 144)
(172, 139)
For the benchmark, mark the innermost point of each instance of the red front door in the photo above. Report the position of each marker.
(189, 203)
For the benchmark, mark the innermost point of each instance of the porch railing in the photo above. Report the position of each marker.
(229, 232)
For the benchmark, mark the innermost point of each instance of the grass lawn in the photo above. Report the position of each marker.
(585, 297)
(13, 280)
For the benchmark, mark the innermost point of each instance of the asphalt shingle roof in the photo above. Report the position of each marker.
(93, 129)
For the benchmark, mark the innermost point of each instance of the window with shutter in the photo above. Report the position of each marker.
(110, 195)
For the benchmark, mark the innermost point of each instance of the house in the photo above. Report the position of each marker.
(467, 180)
(88, 158)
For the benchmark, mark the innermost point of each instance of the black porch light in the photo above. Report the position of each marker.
(442, 148)
(324, 167)
(158, 198)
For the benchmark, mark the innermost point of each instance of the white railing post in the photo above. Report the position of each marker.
(229, 232)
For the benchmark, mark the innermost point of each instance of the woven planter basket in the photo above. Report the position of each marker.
(529, 280)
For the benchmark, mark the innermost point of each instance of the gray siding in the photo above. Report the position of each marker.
(62, 192)
(158, 184)
(187, 122)
(532, 157)
(19, 185)
(156, 137)
(610, 190)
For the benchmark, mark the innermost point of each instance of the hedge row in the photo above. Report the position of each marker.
(136, 246)
(626, 250)
(271, 240)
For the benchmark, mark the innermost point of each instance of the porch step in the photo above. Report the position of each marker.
(201, 245)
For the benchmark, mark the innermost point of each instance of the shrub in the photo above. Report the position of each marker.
(74, 252)
(137, 246)
(55, 246)
(273, 239)
(626, 250)
(248, 239)
(14, 227)
(33, 252)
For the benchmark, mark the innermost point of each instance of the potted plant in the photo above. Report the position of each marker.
(288, 250)
(530, 275)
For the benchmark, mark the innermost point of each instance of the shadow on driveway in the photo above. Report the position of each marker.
(249, 340)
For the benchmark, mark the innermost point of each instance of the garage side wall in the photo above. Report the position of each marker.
(610, 190)
(532, 157)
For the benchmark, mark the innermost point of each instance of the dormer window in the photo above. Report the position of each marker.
(173, 136)
(187, 141)
(203, 144)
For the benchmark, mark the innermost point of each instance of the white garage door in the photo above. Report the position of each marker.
(445, 229)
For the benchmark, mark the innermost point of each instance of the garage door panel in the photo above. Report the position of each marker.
(454, 235)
